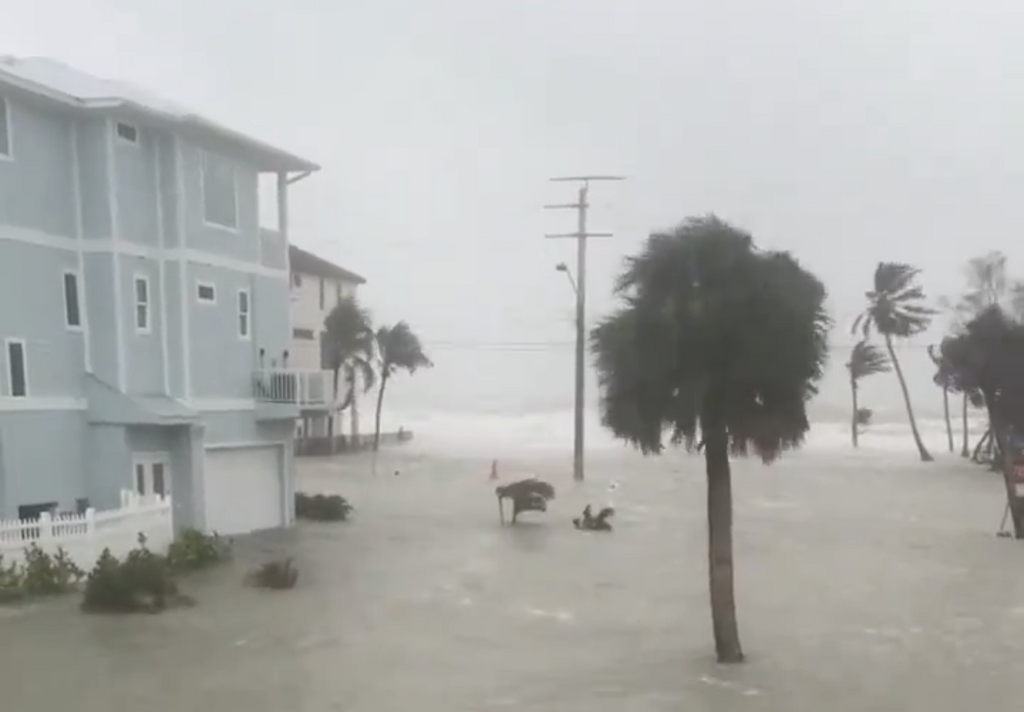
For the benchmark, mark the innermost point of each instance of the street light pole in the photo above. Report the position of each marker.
(580, 287)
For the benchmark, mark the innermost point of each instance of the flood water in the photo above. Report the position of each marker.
(864, 583)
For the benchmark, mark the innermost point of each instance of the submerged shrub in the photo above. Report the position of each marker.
(46, 575)
(143, 582)
(193, 550)
(277, 575)
(12, 579)
(322, 508)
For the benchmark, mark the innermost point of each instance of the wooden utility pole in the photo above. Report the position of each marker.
(580, 286)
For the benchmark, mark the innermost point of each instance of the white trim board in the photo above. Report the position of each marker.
(115, 229)
(220, 405)
(123, 247)
(37, 403)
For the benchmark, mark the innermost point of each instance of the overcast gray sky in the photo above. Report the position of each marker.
(847, 132)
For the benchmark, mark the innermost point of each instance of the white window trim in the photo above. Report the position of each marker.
(148, 328)
(202, 196)
(247, 336)
(10, 374)
(121, 139)
(148, 459)
(212, 286)
(78, 299)
(5, 113)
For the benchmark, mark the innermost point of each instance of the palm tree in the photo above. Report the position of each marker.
(349, 348)
(865, 360)
(896, 309)
(943, 378)
(399, 348)
(717, 340)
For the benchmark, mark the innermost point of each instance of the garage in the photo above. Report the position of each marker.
(243, 488)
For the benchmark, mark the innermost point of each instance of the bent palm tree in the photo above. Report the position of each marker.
(943, 378)
(717, 340)
(865, 360)
(530, 495)
(349, 348)
(896, 309)
(399, 348)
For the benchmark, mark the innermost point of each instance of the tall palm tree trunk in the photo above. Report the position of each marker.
(853, 419)
(921, 449)
(380, 404)
(965, 449)
(949, 424)
(720, 563)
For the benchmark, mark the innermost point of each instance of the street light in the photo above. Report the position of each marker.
(562, 267)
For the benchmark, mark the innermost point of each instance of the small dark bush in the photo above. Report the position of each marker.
(12, 582)
(45, 575)
(322, 508)
(143, 582)
(193, 550)
(278, 575)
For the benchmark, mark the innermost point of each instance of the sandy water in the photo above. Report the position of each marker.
(865, 582)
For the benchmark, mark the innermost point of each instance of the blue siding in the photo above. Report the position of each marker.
(32, 308)
(143, 351)
(36, 188)
(221, 362)
(93, 183)
(35, 471)
(136, 181)
(108, 462)
(176, 372)
(242, 244)
(99, 272)
(168, 189)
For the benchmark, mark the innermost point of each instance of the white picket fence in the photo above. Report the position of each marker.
(85, 536)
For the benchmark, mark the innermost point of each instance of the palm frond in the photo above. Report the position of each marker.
(896, 304)
(400, 348)
(867, 360)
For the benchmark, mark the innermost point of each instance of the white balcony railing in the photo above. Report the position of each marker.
(303, 388)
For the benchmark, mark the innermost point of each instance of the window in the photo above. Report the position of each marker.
(220, 203)
(243, 314)
(17, 369)
(72, 312)
(303, 334)
(142, 325)
(127, 133)
(321, 292)
(5, 129)
(206, 293)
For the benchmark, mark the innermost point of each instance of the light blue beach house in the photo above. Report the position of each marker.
(144, 313)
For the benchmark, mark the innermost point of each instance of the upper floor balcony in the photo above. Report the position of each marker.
(309, 390)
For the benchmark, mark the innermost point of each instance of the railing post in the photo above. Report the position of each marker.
(90, 538)
(45, 526)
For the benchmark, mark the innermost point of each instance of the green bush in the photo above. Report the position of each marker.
(322, 508)
(143, 582)
(12, 582)
(193, 550)
(278, 575)
(46, 575)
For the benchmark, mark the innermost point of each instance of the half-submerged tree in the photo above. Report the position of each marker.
(865, 360)
(349, 345)
(896, 309)
(721, 344)
(943, 378)
(531, 495)
(399, 349)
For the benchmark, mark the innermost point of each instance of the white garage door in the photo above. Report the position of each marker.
(243, 489)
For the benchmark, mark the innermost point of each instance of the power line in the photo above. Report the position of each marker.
(556, 345)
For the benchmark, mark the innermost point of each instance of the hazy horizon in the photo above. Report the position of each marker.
(846, 135)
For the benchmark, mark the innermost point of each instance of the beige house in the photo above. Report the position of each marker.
(317, 285)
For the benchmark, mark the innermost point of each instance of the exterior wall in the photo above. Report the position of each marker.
(78, 198)
(307, 314)
(34, 471)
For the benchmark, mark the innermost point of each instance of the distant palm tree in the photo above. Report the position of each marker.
(349, 349)
(399, 348)
(896, 309)
(943, 378)
(865, 360)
